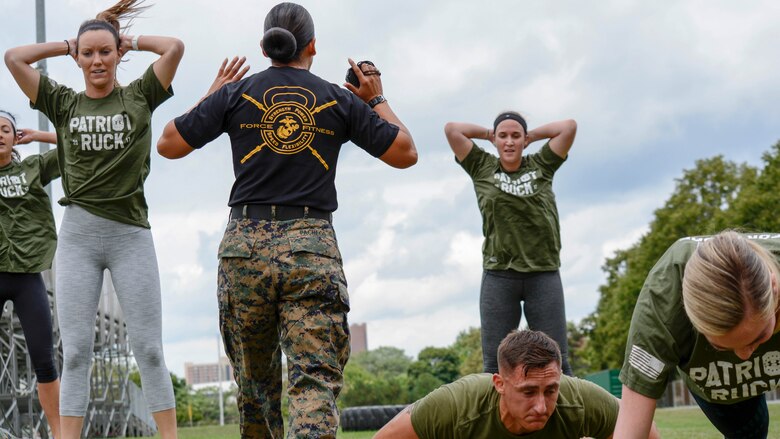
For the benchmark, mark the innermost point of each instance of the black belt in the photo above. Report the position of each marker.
(269, 212)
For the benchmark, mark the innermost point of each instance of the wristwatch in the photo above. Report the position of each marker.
(376, 101)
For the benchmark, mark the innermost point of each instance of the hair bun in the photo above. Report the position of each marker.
(279, 44)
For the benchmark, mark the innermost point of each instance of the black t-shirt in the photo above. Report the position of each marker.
(286, 128)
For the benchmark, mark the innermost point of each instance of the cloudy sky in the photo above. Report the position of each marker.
(654, 86)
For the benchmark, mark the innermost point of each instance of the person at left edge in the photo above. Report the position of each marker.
(281, 282)
(28, 239)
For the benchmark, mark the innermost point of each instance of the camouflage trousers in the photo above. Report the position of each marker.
(282, 289)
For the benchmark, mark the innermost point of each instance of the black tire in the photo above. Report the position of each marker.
(368, 417)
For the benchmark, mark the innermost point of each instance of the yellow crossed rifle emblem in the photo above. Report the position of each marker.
(288, 125)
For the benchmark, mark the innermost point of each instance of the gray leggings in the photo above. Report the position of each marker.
(87, 245)
(501, 308)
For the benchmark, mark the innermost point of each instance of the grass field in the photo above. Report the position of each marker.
(676, 423)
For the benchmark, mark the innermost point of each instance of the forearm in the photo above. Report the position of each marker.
(170, 49)
(29, 135)
(32, 53)
(385, 112)
(635, 419)
(45, 137)
(402, 152)
(20, 59)
(551, 130)
(163, 46)
(468, 130)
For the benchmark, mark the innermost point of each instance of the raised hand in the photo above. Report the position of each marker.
(228, 72)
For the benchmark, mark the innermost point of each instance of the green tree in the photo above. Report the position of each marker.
(756, 208)
(422, 385)
(376, 377)
(578, 339)
(468, 346)
(700, 204)
(382, 361)
(362, 387)
(442, 363)
(181, 392)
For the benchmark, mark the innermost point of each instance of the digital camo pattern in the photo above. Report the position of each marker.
(282, 289)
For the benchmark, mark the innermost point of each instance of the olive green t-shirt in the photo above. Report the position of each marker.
(104, 145)
(662, 339)
(28, 237)
(519, 214)
(469, 409)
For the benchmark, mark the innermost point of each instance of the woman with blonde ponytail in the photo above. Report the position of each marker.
(709, 310)
(104, 135)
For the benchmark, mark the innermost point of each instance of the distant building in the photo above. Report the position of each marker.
(208, 372)
(359, 337)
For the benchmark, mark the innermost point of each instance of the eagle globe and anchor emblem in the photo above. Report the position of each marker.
(287, 125)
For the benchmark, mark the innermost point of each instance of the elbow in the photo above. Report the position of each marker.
(408, 153)
(10, 58)
(168, 150)
(167, 145)
(177, 48)
(409, 159)
(163, 149)
(401, 155)
(450, 128)
(571, 125)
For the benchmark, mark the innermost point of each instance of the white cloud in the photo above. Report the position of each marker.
(431, 327)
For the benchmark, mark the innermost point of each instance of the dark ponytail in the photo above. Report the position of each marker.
(288, 29)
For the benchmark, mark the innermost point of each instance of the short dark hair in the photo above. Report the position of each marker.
(531, 349)
(288, 28)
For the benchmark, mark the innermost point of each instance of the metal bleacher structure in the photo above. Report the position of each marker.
(116, 408)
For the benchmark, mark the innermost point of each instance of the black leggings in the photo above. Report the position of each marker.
(505, 295)
(31, 303)
(748, 419)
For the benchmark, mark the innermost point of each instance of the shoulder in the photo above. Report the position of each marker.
(683, 248)
(32, 161)
(147, 76)
(770, 241)
(473, 385)
(32, 158)
(51, 89)
(660, 299)
(461, 404)
(476, 384)
(545, 156)
(49, 82)
(578, 397)
(471, 388)
(478, 157)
